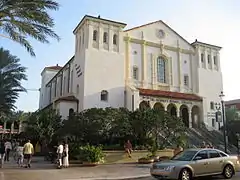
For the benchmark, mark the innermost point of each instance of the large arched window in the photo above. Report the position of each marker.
(161, 70)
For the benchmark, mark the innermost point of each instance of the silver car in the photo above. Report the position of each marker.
(195, 163)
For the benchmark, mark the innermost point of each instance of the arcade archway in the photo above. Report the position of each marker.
(184, 115)
(172, 109)
(195, 117)
(144, 105)
(158, 106)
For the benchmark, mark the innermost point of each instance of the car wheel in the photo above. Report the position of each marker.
(228, 172)
(185, 174)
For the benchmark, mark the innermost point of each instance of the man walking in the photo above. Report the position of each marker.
(60, 154)
(28, 151)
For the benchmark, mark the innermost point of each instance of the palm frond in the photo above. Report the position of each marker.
(11, 75)
(20, 19)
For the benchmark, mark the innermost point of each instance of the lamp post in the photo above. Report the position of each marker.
(225, 134)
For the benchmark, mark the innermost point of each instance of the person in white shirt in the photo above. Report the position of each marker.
(8, 147)
(65, 156)
(19, 155)
(60, 154)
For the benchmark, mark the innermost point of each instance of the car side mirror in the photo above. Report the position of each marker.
(197, 158)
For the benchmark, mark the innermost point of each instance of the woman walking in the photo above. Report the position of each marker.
(19, 155)
(65, 156)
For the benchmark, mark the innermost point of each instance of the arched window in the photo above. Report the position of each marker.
(115, 39)
(104, 95)
(105, 37)
(95, 35)
(70, 112)
(161, 70)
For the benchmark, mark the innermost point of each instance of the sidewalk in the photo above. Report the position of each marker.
(42, 170)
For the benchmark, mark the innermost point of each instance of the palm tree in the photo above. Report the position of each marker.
(11, 75)
(22, 18)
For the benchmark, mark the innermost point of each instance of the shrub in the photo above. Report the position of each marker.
(91, 154)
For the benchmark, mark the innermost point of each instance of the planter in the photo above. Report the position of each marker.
(164, 158)
(155, 158)
(90, 164)
(145, 160)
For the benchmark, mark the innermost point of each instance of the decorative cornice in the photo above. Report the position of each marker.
(158, 45)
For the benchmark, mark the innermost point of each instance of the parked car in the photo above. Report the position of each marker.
(193, 163)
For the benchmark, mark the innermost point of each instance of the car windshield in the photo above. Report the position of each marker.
(184, 155)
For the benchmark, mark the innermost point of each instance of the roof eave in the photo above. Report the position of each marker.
(88, 17)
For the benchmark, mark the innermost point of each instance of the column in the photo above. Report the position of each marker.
(127, 65)
(191, 72)
(144, 65)
(190, 117)
(179, 68)
(178, 112)
(154, 72)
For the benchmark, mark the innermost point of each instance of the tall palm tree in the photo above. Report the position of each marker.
(11, 75)
(20, 19)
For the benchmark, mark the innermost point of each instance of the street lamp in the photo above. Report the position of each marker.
(218, 114)
(224, 122)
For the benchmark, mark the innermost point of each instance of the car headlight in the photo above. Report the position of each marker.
(169, 168)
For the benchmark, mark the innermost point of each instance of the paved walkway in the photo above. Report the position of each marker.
(41, 171)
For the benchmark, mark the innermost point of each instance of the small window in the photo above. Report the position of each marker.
(212, 105)
(215, 60)
(208, 58)
(105, 37)
(202, 58)
(115, 39)
(104, 95)
(95, 35)
(202, 155)
(213, 154)
(213, 122)
(135, 73)
(77, 90)
(70, 112)
(186, 80)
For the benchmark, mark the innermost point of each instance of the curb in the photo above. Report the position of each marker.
(118, 178)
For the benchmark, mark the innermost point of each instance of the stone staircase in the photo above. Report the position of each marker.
(197, 135)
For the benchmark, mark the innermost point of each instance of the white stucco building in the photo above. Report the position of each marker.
(146, 66)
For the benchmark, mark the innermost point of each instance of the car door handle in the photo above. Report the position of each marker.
(206, 163)
(221, 161)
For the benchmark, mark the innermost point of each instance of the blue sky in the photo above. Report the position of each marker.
(215, 22)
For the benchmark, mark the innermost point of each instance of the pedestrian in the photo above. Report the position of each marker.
(19, 154)
(8, 147)
(60, 154)
(2, 153)
(128, 148)
(28, 151)
(65, 156)
(177, 150)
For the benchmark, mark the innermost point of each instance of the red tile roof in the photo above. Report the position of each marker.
(169, 94)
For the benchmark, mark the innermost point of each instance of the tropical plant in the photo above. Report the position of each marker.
(91, 154)
(232, 114)
(43, 125)
(22, 18)
(11, 75)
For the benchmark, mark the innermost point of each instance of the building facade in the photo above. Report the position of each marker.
(146, 66)
(233, 104)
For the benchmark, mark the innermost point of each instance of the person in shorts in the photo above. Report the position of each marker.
(28, 151)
